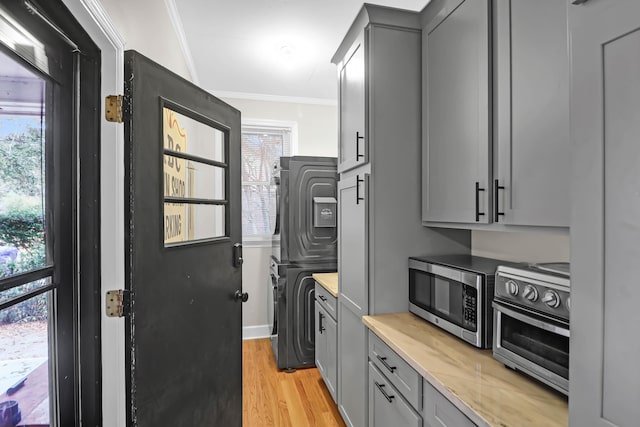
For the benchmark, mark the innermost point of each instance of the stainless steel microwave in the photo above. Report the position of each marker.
(454, 292)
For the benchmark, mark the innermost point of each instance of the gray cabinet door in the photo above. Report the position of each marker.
(387, 408)
(321, 340)
(605, 223)
(353, 145)
(456, 126)
(440, 412)
(532, 131)
(352, 369)
(352, 243)
(331, 353)
(326, 344)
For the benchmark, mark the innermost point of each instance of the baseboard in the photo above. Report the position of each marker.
(255, 332)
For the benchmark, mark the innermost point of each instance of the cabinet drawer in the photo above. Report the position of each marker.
(326, 300)
(439, 412)
(400, 374)
(387, 408)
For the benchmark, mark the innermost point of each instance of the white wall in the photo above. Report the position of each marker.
(146, 27)
(317, 136)
(521, 246)
(317, 124)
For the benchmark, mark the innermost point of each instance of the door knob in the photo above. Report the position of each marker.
(241, 296)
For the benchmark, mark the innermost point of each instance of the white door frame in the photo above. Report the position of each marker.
(95, 21)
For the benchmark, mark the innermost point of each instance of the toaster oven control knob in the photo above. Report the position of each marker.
(551, 298)
(530, 293)
(512, 287)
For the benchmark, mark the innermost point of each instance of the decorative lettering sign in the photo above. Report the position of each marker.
(175, 177)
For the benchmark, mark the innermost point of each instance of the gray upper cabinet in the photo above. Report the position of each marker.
(456, 110)
(495, 113)
(605, 222)
(353, 146)
(532, 178)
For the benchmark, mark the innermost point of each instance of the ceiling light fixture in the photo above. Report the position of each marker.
(287, 51)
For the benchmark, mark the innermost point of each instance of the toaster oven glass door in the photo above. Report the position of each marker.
(444, 297)
(539, 340)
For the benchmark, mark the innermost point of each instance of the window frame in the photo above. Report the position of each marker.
(264, 240)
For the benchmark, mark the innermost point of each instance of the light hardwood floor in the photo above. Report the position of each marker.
(275, 398)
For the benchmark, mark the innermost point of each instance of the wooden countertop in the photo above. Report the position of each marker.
(481, 387)
(329, 281)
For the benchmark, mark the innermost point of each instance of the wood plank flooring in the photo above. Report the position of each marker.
(275, 398)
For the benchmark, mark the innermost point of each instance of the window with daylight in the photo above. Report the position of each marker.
(262, 145)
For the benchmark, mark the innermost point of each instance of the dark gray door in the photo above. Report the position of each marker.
(184, 350)
(605, 227)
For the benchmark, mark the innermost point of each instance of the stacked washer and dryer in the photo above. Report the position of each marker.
(304, 242)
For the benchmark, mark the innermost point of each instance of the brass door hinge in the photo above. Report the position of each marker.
(117, 303)
(113, 108)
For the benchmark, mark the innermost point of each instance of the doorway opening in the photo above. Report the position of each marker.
(49, 218)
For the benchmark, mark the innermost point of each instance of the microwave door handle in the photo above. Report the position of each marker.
(531, 321)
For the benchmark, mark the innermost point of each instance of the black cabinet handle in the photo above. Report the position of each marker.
(358, 138)
(579, 1)
(383, 360)
(320, 327)
(478, 213)
(358, 181)
(496, 195)
(384, 393)
(322, 298)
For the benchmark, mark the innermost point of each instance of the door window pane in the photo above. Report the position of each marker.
(22, 177)
(199, 174)
(24, 326)
(24, 360)
(200, 180)
(187, 221)
(186, 135)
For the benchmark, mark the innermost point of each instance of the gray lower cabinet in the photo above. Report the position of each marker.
(395, 388)
(399, 396)
(440, 412)
(495, 113)
(387, 407)
(326, 339)
(352, 369)
(605, 225)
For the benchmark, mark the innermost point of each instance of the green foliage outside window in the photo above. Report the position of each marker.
(22, 227)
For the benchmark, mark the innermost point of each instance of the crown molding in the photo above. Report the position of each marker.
(99, 14)
(176, 21)
(273, 98)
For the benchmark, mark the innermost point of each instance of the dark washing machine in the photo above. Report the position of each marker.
(304, 242)
(292, 320)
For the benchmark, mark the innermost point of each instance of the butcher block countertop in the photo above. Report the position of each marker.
(329, 281)
(485, 390)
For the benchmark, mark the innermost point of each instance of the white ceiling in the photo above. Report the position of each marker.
(264, 48)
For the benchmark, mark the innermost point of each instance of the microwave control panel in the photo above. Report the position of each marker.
(470, 308)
